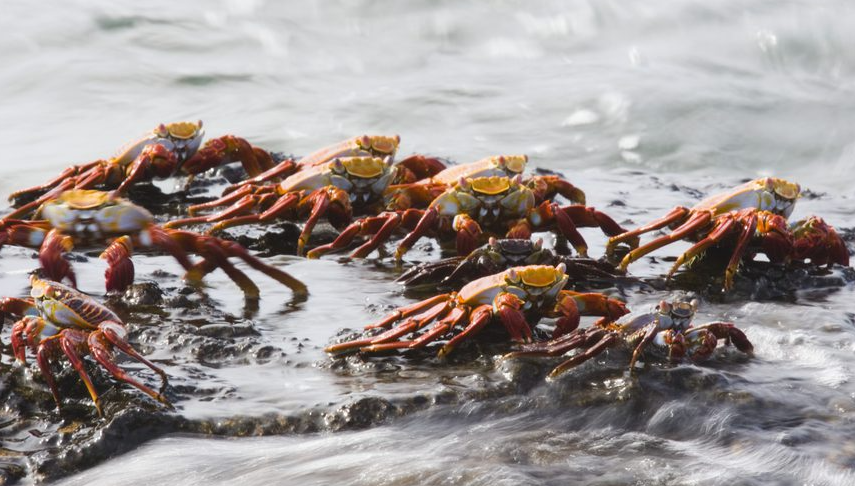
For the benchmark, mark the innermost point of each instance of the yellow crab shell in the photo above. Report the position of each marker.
(180, 130)
(767, 193)
(83, 198)
(539, 278)
(496, 165)
(363, 167)
(490, 185)
(380, 144)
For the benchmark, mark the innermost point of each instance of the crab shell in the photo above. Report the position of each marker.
(366, 177)
(181, 138)
(496, 165)
(532, 284)
(675, 315)
(486, 199)
(94, 215)
(67, 307)
(769, 194)
(361, 146)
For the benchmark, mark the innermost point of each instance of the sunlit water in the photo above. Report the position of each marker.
(651, 104)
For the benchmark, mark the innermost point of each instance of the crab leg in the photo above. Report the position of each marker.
(749, 223)
(424, 225)
(281, 171)
(572, 305)
(243, 206)
(649, 333)
(54, 265)
(409, 310)
(435, 332)
(479, 318)
(321, 200)
(70, 340)
(112, 334)
(45, 350)
(227, 149)
(34, 205)
(680, 213)
(607, 341)
(120, 268)
(280, 207)
(545, 187)
(729, 332)
(509, 309)
(694, 224)
(564, 344)
(236, 250)
(68, 174)
(721, 230)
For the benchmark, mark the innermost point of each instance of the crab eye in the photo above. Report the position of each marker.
(512, 276)
(561, 268)
(493, 243)
(538, 245)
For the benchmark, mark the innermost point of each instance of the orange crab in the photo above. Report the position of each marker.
(667, 329)
(752, 212)
(512, 295)
(95, 218)
(60, 321)
(167, 150)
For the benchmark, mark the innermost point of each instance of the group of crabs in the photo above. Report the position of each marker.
(488, 208)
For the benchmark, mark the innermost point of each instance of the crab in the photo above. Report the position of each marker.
(167, 150)
(501, 254)
(95, 218)
(668, 328)
(501, 205)
(516, 296)
(755, 211)
(59, 320)
(411, 169)
(334, 189)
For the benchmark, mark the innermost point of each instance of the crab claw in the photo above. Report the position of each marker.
(818, 241)
(120, 268)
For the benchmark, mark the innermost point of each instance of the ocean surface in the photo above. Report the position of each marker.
(644, 105)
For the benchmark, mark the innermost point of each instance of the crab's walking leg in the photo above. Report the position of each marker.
(111, 334)
(409, 310)
(649, 333)
(724, 227)
(281, 171)
(676, 215)
(693, 225)
(749, 226)
(607, 341)
(479, 318)
(49, 347)
(242, 207)
(320, 201)
(70, 341)
(69, 174)
(236, 250)
(425, 224)
(32, 206)
(279, 208)
(435, 332)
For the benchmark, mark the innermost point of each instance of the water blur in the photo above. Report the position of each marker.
(645, 105)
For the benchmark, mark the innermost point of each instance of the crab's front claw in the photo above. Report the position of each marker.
(54, 265)
(417, 167)
(818, 241)
(227, 149)
(469, 234)
(120, 268)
